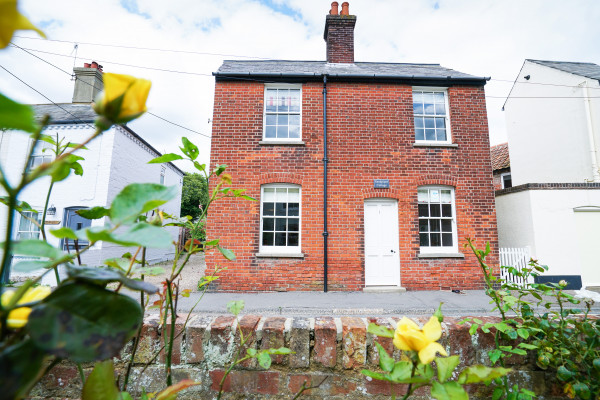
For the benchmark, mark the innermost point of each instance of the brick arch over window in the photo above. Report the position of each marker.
(282, 177)
(436, 179)
(372, 193)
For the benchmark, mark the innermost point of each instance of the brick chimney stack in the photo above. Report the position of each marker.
(339, 34)
(88, 82)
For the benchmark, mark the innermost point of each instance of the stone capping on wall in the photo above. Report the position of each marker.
(325, 348)
(549, 186)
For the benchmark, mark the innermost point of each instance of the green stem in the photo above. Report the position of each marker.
(409, 389)
(42, 230)
(81, 374)
(170, 337)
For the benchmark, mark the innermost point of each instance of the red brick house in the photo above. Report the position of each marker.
(501, 166)
(365, 174)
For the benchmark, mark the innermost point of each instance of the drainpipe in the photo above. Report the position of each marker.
(325, 161)
(590, 125)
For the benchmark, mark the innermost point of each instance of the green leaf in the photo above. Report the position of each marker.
(36, 248)
(564, 374)
(20, 367)
(150, 271)
(481, 373)
(473, 329)
(213, 242)
(520, 352)
(375, 375)
(104, 275)
(498, 392)
(228, 254)
(438, 313)
(165, 158)
(84, 322)
(93, 213)
(448, 391)
(63, 233)
(524, 333)
(220, 169)
(251, 352)
(279, 351)
(139, 198)
(199, 167)
(528, 346)
(170, 393)
(385, 361)
(235, 307)
(30, 265)
(381, 331)
(264, 359)
(596, 364)
(189, 149)
(18, 116)
(145, 235)
(100, 385)
(445, 367)
(582, 390)
(402, 372)
(126, 396)
(21, 206)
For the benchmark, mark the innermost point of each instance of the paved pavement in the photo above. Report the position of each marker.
(289, 304)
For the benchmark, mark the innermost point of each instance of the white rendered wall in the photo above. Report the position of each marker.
(548, 137)
(555, 239)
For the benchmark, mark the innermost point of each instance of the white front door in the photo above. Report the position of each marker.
(382, 259)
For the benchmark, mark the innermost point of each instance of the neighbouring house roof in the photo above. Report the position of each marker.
(500, 157)
(421, 73)
(588, 70)
(82, 113)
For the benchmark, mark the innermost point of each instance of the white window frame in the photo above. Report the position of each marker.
(32, 227)
(439, 249)
(502, 176)
(41, 154)
(446, 116)
(281, 86)
(280, 249)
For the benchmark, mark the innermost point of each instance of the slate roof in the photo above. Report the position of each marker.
(589, 70)
(358, 70)
(500, 157)
(66, 112)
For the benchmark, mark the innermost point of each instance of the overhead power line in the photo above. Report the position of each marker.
(144, 48)
(87, 83)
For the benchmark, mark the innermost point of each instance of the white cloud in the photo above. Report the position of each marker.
(480, 37)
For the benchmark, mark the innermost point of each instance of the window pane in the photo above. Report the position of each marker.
(280, 209)
(446, 196)
(417, 97)
(419, 122)
(294, 120)
(435, 210)
(429, 122)
(271, 100)
(446, 210)
(293, 239)
(441, 135)
(268, 208)
(271, 119)
(429, 134)
(420, 134)
(429, 109)
(293, 209)
(435, 240)
(440, 123)
(280, 224)
(423, 225)
(283, 104)
(293, 195)
(267, 239)
(434, 225)
(423, 210)
(268, 194)
(268, 224)
(446, 239)
(295, 100)
(446, 225)
(440, 109)
(423, 195)
(282, 119)
(293, 224)
(270, 132)
(434, 195)
(428, 97)
(280, 239)
(282, 131)
(294, 132)
(424, 239)
(24, 223)
(439, 97)
(418, 108)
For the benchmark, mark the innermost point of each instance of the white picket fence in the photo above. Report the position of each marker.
(516, 257)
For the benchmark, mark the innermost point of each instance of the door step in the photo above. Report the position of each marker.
(384, 289)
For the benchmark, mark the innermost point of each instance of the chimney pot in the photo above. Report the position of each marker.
(334, 8)
(94, 64)
(88, 82)
(87, 65)
(345, 10)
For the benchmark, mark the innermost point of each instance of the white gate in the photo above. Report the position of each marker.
(518, 258)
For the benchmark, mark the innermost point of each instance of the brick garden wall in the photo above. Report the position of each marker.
(328, 350)
(370, 136)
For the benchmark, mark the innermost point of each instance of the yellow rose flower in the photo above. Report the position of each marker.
(123, 99)
(409, 337)
(17, 318)
(11, 20)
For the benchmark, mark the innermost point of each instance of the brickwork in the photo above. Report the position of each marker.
(370, 136)
(339, 35)
(337, 372)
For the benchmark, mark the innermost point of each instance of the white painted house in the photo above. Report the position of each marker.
(553, 126)
(113, 160)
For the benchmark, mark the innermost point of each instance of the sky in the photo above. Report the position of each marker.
(178, 44)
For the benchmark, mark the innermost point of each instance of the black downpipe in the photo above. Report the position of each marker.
(325, 160)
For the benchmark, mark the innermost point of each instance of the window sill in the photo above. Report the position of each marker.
(280, 255)
(428, 144)
(282, 142)
(440, 255)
